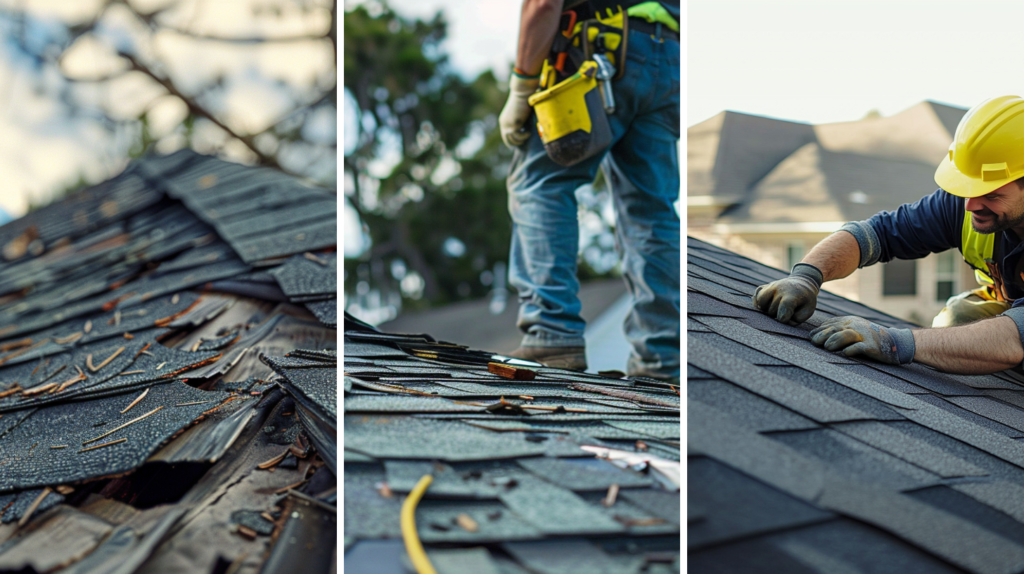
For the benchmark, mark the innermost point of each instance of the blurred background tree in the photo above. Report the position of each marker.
(93, 83)
(425, 170)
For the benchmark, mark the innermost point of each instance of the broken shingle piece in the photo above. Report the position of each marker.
(555, 510)
(587, 474)
(31, 462)
(309, 237)
(412, 438)
(14, 506)
(315, 386)
(511, 372)
(253, 520)
(315, 275)
(325, 311)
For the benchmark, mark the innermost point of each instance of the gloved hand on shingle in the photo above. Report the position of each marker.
(793, 298)
(858, 336)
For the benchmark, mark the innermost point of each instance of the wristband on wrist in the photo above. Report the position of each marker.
(524, 75)
(809, 271)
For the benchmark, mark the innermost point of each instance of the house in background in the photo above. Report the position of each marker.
(771, 189)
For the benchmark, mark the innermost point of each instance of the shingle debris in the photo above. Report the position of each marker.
(132, 397)
(503, 440)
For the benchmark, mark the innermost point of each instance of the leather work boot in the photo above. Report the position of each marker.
(573, 358)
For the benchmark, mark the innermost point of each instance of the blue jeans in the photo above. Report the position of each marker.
(642, 169)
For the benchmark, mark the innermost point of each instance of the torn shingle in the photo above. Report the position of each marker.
(325, 311)
(16, 505)
(31, 460)
(113, 390)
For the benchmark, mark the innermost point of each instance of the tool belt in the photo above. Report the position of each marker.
(655, 29)
(576, 97)
(578, 42)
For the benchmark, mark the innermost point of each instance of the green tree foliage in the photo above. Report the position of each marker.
(426, 175)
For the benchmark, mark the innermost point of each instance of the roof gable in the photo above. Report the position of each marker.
(734, 150)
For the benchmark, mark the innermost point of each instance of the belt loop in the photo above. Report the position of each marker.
(657, 32)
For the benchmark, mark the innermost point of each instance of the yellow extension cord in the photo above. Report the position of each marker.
(413, 547)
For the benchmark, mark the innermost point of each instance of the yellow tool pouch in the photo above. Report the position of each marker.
(572, 110)
(571, 120)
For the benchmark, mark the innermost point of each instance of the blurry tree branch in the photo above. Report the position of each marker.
(267, 146)
(246, 39)
(199, 110)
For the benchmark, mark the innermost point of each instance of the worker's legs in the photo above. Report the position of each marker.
(545, 242)
(643, 171)
(545, 229)
(968, 307)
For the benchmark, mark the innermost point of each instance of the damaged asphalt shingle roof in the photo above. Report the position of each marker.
(516, 483)
(133, 315)
(801, 460)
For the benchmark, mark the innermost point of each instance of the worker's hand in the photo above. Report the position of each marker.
(517, 111)
(858, 336)
(793, 298)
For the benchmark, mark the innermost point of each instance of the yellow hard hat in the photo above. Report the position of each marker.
(988, 149)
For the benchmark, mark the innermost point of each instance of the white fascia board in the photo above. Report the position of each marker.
(710, 200)
(789, 227)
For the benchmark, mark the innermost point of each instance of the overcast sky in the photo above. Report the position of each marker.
(801, 60)
(42, 149)
(817, 61)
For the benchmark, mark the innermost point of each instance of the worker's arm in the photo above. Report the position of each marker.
(978, 348)
(930, 225)
(836, 256)
(538, 25)
(983, 347)
(794, 298)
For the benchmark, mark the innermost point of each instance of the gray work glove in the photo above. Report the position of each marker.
(793, 298)
(517, 111)
(858, 336)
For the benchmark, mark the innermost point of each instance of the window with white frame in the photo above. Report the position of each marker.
(794, 253)
(945, 275)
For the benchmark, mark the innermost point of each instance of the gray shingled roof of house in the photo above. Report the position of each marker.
(814, 184)
(778, 171)
(802, 460)
(736, 150)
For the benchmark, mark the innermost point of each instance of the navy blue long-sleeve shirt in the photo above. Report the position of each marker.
(933, 224)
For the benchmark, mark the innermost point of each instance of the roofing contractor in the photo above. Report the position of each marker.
(978, 209)
(584, 120)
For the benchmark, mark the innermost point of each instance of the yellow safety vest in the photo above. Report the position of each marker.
(976, 248)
